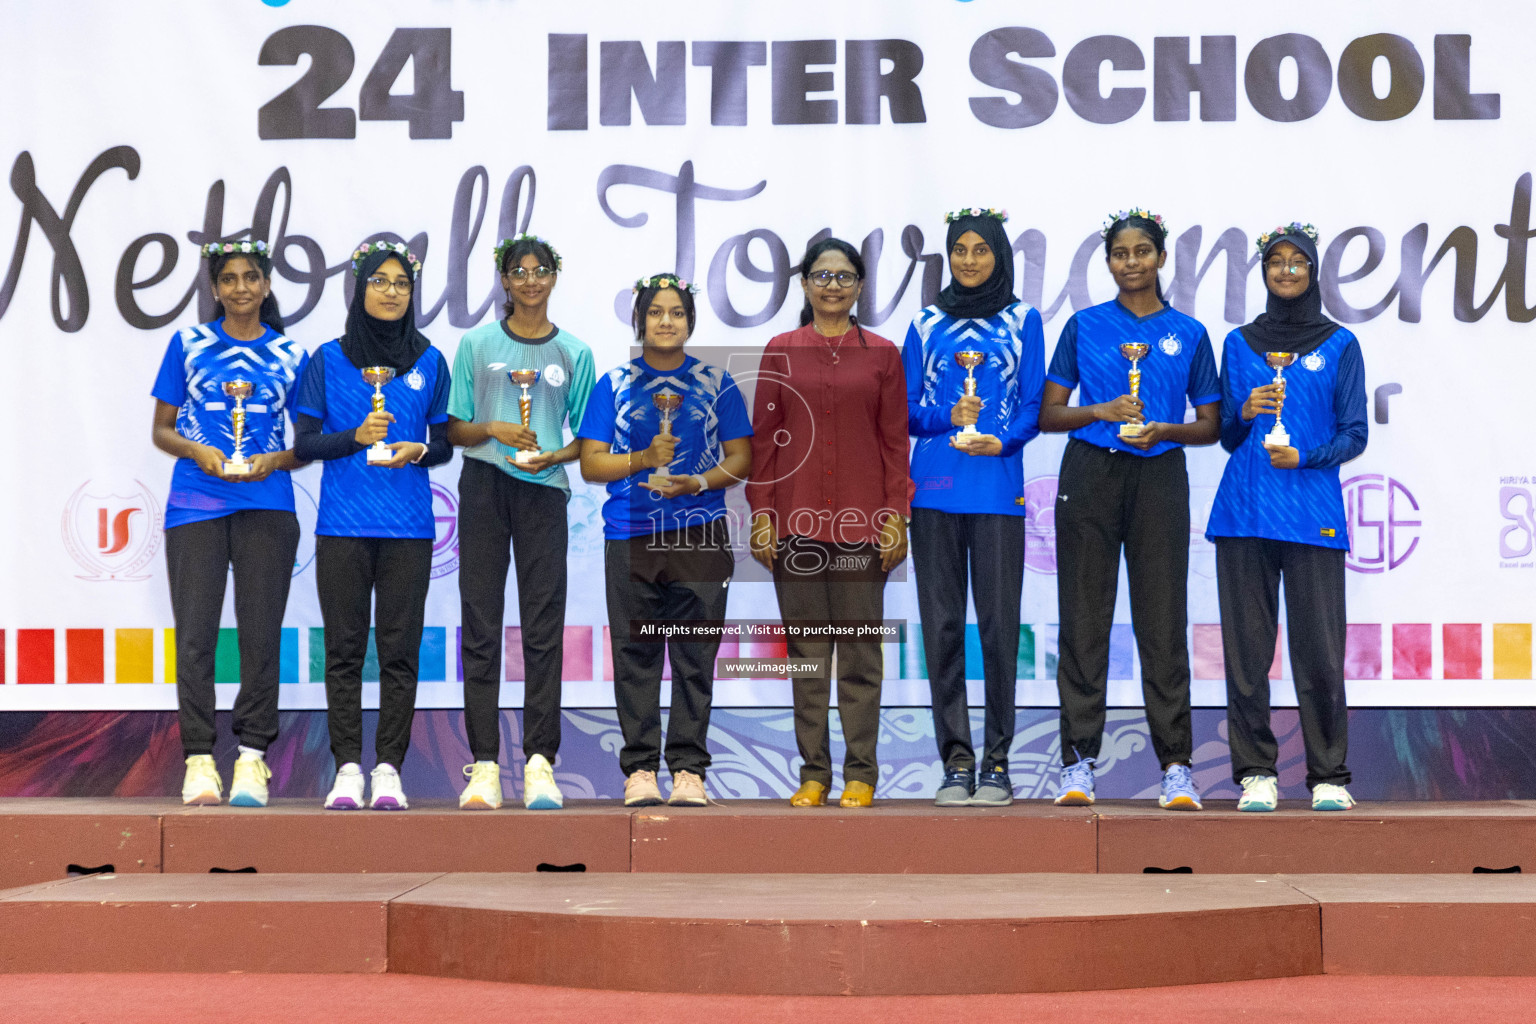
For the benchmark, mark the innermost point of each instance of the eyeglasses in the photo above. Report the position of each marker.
(1294, 266)
(844, 278)
(537, 273)
(384, 284)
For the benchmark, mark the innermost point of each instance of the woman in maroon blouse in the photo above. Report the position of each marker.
(829, 495)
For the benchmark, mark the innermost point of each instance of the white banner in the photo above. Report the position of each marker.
(714, 140)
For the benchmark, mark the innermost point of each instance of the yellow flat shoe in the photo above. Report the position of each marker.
(810, 794)
(857, 794)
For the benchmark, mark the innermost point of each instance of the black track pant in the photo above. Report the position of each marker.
(259, 544)
(392, 574)
(680, 575)
(1106, 500)
(944, 544)
(1248, 574)
(819, 582)
(501, 518)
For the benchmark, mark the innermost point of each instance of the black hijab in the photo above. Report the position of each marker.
(996, 292)
(369, 341)
(1290, 325)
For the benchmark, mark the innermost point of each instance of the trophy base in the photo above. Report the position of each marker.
(525, 456)
(1278, 438)
(378, 453)
(241, 468)
(969, 430)
(659, 479)
(1131, 429)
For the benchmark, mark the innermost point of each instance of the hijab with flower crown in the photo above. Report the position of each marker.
(1290, 325)
(995, 293)
(369, 341)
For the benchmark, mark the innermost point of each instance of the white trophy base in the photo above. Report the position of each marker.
(1131, 429)
(378, 453)
(1278, 437)
(524, 455)
(659, 479)
(969, 430)
(237, 468)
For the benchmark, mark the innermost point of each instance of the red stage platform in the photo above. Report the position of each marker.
(774, 899)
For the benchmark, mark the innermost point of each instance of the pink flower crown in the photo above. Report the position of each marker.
(663, 281)
(976, 211)
(394, 248)
(526, 236)
(214, 250)
(1135, 211)
(1293, 228)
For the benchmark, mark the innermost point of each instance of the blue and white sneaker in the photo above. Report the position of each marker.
(1076, 788)
(1325, 797)
(956, 789)
(1179, 793)
(993, 787)
(1260, 793)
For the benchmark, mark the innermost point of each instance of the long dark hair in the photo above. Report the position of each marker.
(1155, 232)
(513, 257)
(647, 295)
(268, 313)
(811, 256)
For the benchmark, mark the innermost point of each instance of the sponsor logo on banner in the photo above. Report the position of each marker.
(1040, 524)
(1517, 536)
(1384, 523)
(1202, 553)
(308, 511)
(112, 529)
(445, 543)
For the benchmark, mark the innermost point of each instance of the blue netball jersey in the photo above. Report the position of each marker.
(1008, 383)
(356, 499)
(1325, 415)
(197, 364)
(621, 414)
(1178, 367)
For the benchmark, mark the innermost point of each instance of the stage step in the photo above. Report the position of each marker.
(781, 934)
(44, 839)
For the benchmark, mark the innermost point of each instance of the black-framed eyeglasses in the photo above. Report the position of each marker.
(538, 273)
(384, 284)
(1291, 266)
(844, 278)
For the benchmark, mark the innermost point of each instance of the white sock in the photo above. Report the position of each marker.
(251, 753)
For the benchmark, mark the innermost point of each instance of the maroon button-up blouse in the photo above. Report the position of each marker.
(829, 443)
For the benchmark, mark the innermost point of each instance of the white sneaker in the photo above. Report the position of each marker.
(387, 794)
(1325, 797)
(1260, 793)
(539, 790)
(249, 786)
(484, 790)
(347, 793)
(201, 785)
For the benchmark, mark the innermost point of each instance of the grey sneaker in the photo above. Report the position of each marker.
(993, 787)
(955, 790)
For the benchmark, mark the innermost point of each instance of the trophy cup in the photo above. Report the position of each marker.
(970, 360)
(668, 403)
(378, 376)
(1279, 361)
(524, 379)
(1135, 352)
(239, 390)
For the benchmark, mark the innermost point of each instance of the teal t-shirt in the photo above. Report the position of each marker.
(482, 392)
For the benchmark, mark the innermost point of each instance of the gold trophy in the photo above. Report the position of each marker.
(378, 376)
(1278, 361)
(239, 390)
(524, 379)
(1135, 351)
(668, 403)
(970, 360)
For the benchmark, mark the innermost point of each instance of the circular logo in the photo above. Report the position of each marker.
(554, 373)
(1314, 362)
(308, 511)
(1171, 345)
(112, 529)
(445, 541)
(1040, 524)
(1384, 523)
(414, 380)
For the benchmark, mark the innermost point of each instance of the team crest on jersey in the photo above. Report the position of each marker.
(1314, 362)
(1171, 345)
(414, 380)
(554, 374)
